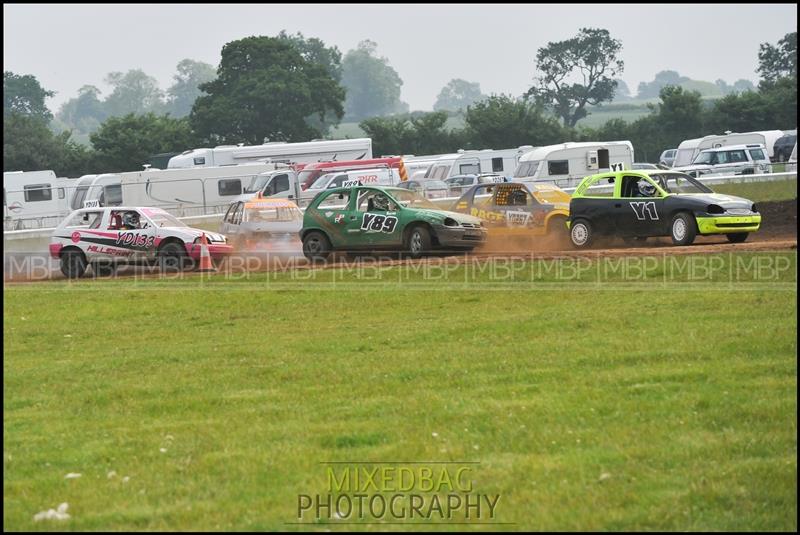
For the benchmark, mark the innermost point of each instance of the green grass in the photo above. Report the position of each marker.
(594, 404)
(780, 190)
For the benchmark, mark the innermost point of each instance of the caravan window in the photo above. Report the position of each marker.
(38, 192)
(468, 169)
(111, 195)
(526, 169)
(497, 165)
(200, 161)
(558, 167)
(231, 186)
(80, 194)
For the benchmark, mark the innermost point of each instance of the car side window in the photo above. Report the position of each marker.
(637, 186)
(229, 214)
(339, 201)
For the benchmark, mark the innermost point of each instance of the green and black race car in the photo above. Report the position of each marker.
(638, 204)
(375, 218)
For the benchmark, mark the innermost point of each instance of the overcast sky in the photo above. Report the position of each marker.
(67, 46)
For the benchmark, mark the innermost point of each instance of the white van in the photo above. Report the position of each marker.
(475, 162)
(690, 148)
(384, 176)
(566, 164)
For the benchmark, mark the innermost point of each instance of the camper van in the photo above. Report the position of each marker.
(474, 162)
(276, 152)
(33, 196)
(567, 163)
(690, 148)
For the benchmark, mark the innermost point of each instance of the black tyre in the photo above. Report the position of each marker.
(172, 257)
(557, 228)
(737, 237)
(316, 246)
(418, 241)
(73, 264)
(104, 269)
(683, 229)
(581, 233)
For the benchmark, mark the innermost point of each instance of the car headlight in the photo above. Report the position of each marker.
(715, 209)
(450, 222)
(753, 208)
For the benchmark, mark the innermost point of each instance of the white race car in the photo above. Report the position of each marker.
(107, 237)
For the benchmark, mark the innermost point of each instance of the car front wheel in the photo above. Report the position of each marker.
(419, 242)
(172, 257)
(683, 229)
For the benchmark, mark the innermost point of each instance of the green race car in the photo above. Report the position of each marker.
(638, 204)
(357, 218)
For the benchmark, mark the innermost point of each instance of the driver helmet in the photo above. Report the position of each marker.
(646, 188)
(380, 202)
(130, 219)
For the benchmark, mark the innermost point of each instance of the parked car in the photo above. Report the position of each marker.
(642, 165)
(784, 145)
(729, 160)
(460, 183)
(376, 218)
(261, 218)
(657, 203)
(667, 157)
(107, 237)
(430, 189)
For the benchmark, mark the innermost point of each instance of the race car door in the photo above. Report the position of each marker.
(337, 217)
(378, 219)
(639, 209)
(135, 235)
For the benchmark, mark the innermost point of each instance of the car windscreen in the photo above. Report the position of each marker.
(257, 184)
(321, 182)
(709, 158)
(679, 183)
(410, 199)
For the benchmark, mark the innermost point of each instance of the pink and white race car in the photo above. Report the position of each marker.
(107, 237)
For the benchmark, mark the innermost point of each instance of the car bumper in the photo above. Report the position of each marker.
(728, 224)
(460, 237)
(216, 250)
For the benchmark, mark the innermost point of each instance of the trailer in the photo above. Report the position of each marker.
(32, 197)
(475, 162)
(566, 164)
(275, 152)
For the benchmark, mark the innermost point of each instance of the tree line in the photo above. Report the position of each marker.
(292, 88)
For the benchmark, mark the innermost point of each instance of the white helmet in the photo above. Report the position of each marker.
(646, 188)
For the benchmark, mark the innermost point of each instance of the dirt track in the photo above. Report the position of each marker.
(778, 232)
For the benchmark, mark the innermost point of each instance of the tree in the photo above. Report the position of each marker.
(265, 89)
(390, 135)
(134, 92)
(661, 80)
(457, 95)
(591, 56)
(29, 145)
(502, 121)
(84, 113)
(373, 86)
(417, 133)
(182, 94)
(622, 92)
(775, 62)
(24, 95)
(125, 143)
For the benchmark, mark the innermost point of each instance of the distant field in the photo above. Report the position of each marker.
(590, 406)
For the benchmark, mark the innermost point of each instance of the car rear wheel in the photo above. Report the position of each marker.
(73, 264)
(683, 229)
(172, 257)
(418, 242)
(581, 234)
(316, 246)
(737, 237)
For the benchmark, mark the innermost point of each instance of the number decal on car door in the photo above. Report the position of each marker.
(378, 223)
(645, 209)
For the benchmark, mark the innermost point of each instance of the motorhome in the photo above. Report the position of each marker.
(472, 162)
(567, 163)
(276, 152)
(30, 198)
(690, 148)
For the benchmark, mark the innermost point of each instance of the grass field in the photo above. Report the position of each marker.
(665, 403)
(779, 190)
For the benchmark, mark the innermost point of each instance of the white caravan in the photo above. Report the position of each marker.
(690, 148)
(567, 163)
(278, 152)
(30, 197)
(475, 162)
